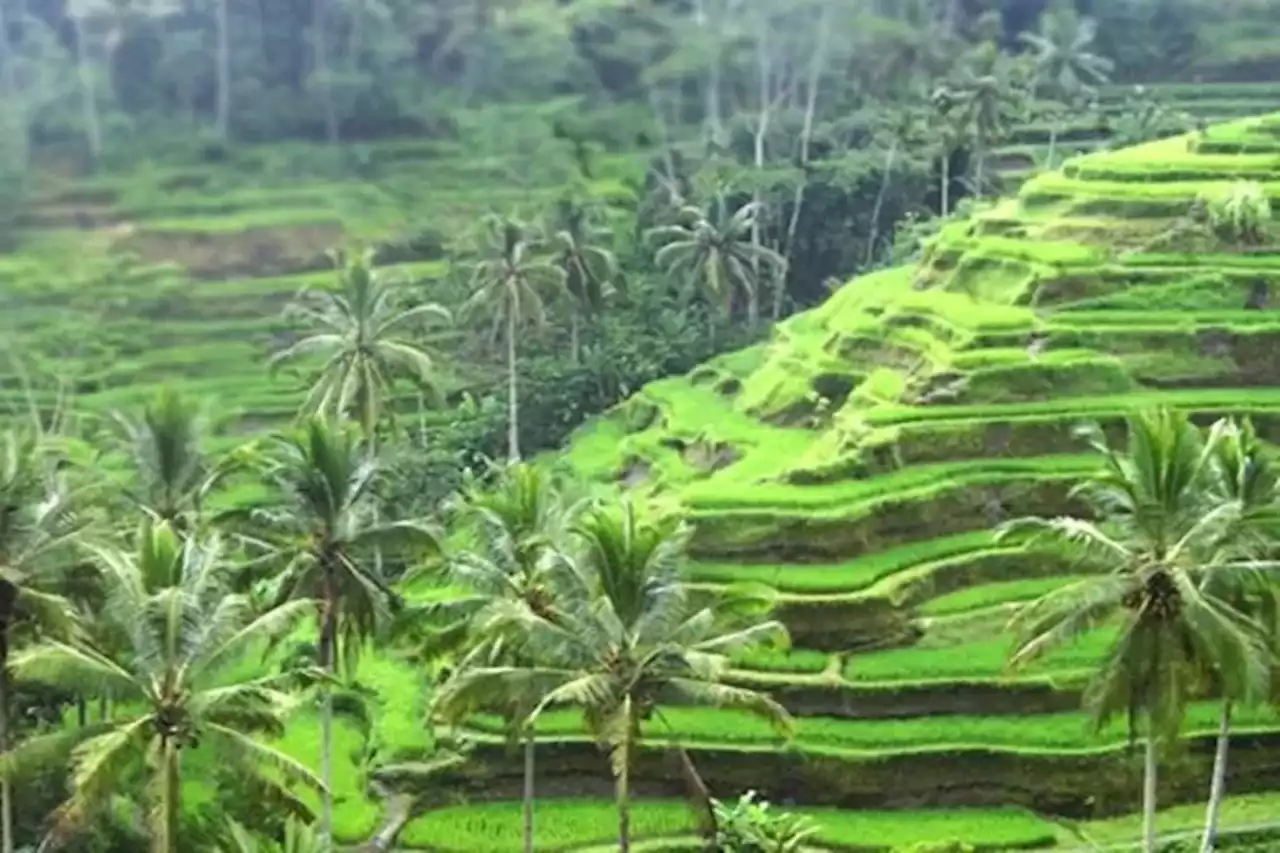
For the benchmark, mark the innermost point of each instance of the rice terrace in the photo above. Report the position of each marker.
(572, 426)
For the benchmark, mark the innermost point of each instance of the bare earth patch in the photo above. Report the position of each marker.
(278, 250)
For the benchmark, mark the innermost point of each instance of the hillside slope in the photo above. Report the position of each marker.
(859, 459)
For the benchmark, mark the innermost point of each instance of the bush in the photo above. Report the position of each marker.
(1242, 215)
(751, 826)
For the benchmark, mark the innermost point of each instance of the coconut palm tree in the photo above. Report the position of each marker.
(1159, 536)
(715, 255)
(1064, 61)
(516, 522)
(511, 283)
(1062, 53)
(176, 684)
(328, 539)
(173, 472)
(37, 523)
(589, 268)
(983, 99)
(362, 333)
(1243, 475)
(624, 641)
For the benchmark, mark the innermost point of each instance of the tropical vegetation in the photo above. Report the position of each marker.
(393, 455)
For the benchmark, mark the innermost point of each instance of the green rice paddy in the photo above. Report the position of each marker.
(571, 825)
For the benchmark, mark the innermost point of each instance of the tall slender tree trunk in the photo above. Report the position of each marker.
(328, 636)
(1149, 769)
(806, 136)
(166, 840)
(699, 793)
(980, 153)
(946, 183)
(88, 99)
(224, 70)
(1218, 785)
(14, 108)
(879, 204)
(530, 744)
(6, 790)
(623, 795)
(574, 347)
(1053, 143)
(513, 396)
(762, 129)
(320, 21)
(713, 119)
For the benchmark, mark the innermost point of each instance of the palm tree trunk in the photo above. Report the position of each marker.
(573, 334)
(980, 153)
(6, 791)
(224, 71)
(88, 101)
(875, 210)
(946, 183)
(623, 795)
(530, 743)
(326, 653)
(166, 840)
(621, 776)
(1149, 793)
(513, 399)
(699, 793)
(1218, 785)
(1053, 142)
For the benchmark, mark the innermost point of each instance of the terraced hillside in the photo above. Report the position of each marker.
(167, 272)
(1180, 106)
(859, 459)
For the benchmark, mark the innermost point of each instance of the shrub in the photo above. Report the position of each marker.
(751, 826)
(1241, 215)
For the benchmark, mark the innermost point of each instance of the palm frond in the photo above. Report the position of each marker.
(678, 692)
(75, 669)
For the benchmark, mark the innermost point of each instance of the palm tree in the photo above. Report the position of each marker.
(176, 684)
(327, 535)
(589, 269)
(716, 255)
(510, 284)
(1064, 61)
(1243, 475)
(983, 99)
(517, 523)
(173, 472)
(1160, 535)
(361, 333)
(37, 522)
(624, 642)
(1062, 53)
